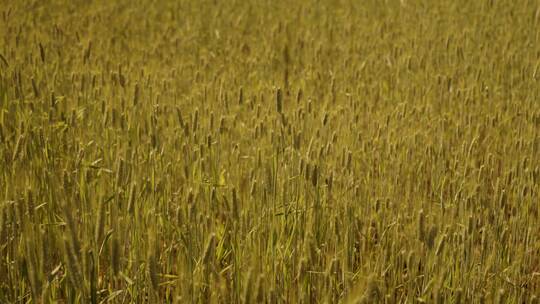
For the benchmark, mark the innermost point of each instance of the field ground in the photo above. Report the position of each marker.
(269, 151)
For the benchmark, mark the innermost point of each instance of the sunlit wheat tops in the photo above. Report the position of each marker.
(332, 151)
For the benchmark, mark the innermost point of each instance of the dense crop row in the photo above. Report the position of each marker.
(269, 151)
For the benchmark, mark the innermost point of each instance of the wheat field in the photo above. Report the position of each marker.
(314, 151)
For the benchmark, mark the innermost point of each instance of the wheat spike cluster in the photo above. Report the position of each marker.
(243, 151)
